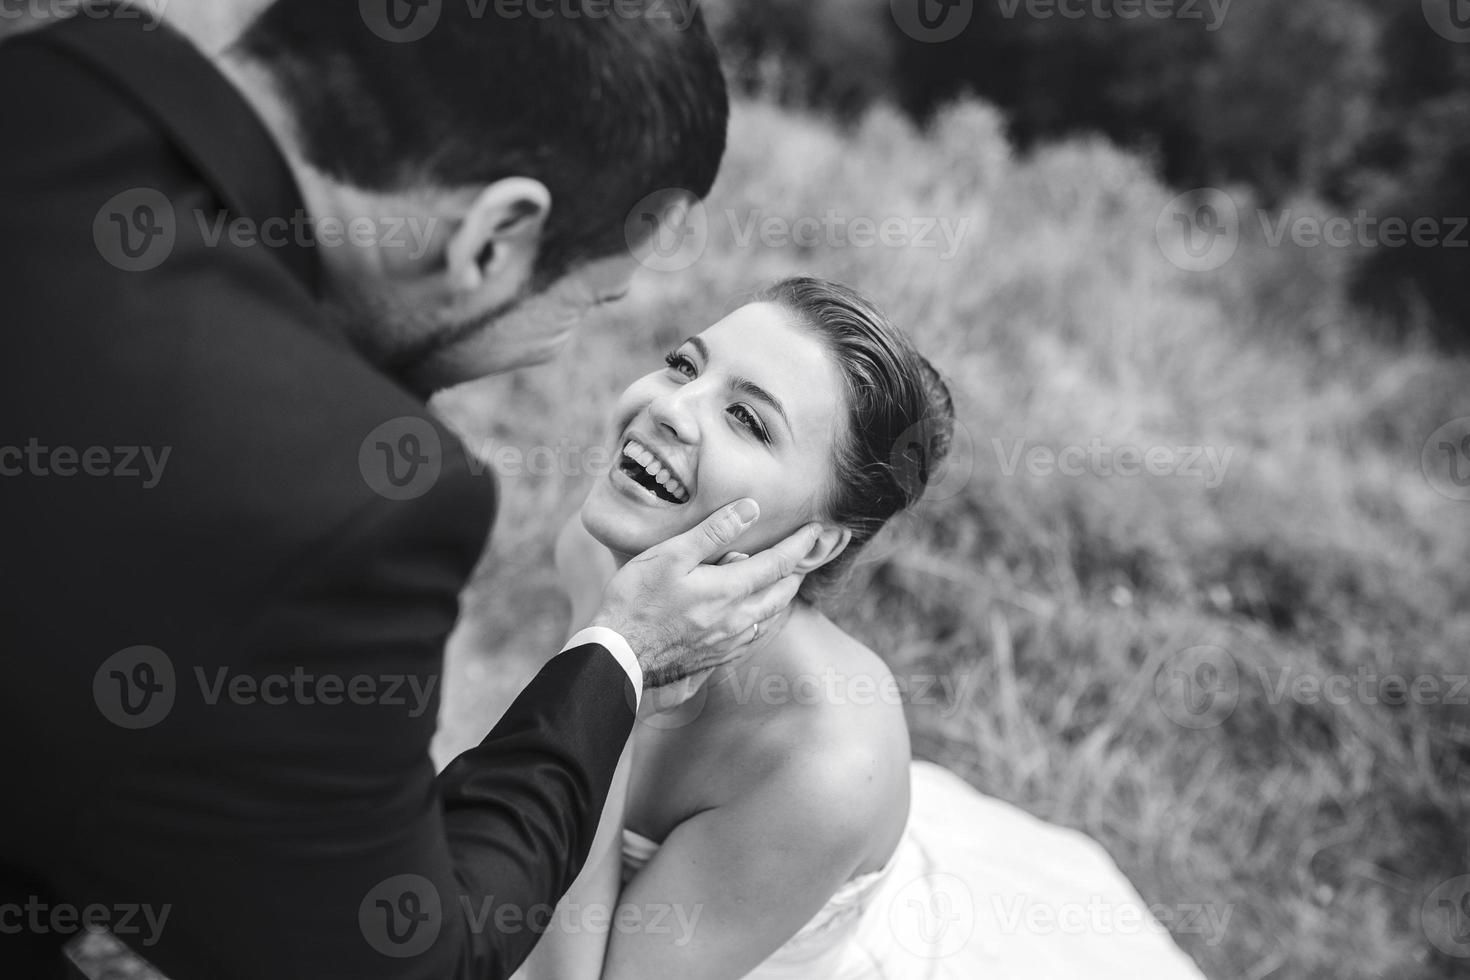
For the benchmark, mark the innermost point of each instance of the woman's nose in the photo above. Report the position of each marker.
(674, 412)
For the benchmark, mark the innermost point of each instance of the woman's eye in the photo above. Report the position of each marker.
(748, 419)
(682, 364)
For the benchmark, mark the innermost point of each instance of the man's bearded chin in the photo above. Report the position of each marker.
(415, 346)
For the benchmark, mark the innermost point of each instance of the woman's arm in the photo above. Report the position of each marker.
(732, 884)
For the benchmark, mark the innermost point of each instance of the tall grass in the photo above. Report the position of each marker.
(1319, 828)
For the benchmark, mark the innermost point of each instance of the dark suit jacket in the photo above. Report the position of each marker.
(211, 659)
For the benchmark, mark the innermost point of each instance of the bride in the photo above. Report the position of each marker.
(766, 819)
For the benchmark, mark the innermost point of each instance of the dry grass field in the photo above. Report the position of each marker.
(1242, 668)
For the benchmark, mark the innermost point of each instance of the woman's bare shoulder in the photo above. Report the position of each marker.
(827, 713)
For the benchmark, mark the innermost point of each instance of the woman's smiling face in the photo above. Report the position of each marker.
(751, 407)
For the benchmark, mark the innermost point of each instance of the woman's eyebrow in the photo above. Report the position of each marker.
(744, 385)
(754, 390)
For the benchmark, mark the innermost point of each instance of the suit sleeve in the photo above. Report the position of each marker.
(311, 837)
(521, 809)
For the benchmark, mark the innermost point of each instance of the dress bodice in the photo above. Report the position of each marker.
(833, 925)
(977, 889)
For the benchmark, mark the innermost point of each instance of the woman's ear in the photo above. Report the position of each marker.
(494, 249)
(830, 544)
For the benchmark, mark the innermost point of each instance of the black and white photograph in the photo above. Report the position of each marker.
(735, 489)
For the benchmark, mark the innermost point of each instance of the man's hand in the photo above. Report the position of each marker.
(682, 616)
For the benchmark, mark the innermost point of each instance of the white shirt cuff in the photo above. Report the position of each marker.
(613, 642)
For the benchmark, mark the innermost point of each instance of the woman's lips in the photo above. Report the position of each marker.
(643, 460)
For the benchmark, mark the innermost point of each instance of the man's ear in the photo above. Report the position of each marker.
(830, 544)
(495, 247)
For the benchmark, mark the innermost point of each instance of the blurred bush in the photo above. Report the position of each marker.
(1359, 103)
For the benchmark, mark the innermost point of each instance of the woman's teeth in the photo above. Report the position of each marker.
(660, 474)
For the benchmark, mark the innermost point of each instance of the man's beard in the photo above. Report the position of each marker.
(404, 342)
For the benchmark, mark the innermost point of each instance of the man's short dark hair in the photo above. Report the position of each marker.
(604, 102)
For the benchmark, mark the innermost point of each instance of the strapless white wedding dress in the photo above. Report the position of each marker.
(977, 890)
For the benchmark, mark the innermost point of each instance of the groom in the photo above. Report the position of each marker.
(236, 537)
